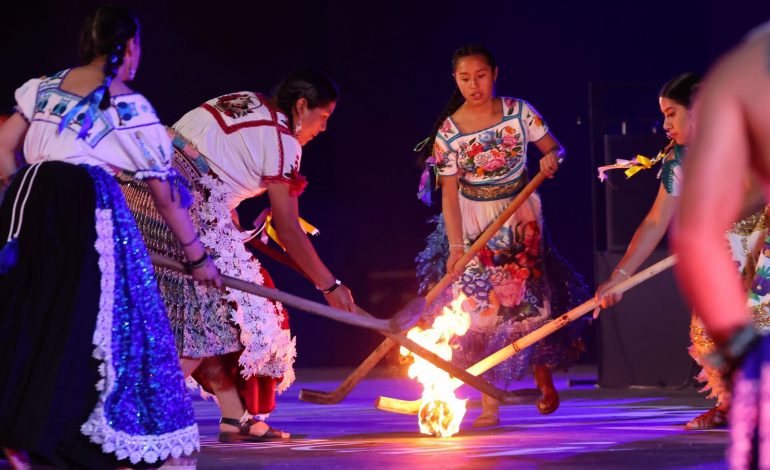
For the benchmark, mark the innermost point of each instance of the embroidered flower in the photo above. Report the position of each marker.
(446, 127)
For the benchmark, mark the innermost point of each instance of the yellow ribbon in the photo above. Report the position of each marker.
(641, 163)
(270, 230)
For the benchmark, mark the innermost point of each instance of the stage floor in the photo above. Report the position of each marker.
(593, 428)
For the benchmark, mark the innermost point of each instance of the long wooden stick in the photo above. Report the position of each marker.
(413, 406)
(364, 320)
(335, 396)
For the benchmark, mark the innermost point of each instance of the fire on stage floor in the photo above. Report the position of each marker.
(593, 428)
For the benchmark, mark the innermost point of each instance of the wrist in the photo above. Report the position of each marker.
(198, 262)
(456, 247)
(331, 288)
(622, 272)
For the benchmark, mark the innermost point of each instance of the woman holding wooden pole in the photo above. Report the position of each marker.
(478, 146)
(745, 238)
(233, 147)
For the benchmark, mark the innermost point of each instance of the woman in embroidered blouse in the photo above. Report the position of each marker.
(480, 154)
(90, 377)
(232, 148)
(745, 239)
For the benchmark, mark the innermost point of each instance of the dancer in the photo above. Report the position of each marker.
(479, 145)
(88, 372)
(732, 141)
(744, 237)
(233, 147)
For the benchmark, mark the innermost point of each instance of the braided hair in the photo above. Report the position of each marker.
(425, 148)
(315, 86)
(106, 32)
(681, 89)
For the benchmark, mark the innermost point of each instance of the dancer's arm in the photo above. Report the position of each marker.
(168, 201)
(450, 208)
(646, 237)
(285, 209)
(12, 134)
(553, 153)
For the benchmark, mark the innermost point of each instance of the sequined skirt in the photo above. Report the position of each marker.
(88, 370)
(205, 321)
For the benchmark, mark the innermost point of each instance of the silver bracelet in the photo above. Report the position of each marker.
(622, 271)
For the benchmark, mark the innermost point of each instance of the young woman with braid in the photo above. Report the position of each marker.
(744, 239)
(479, 146)
(89, 377)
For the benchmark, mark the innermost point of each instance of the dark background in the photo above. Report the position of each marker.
(586, 66)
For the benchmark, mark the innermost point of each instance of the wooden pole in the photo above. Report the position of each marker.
(363, 319)
(413, 406)
(335, 396)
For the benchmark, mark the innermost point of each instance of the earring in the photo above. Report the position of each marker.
(298, 127)
(131, 70)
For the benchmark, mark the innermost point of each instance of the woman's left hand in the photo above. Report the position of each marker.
(549, 164)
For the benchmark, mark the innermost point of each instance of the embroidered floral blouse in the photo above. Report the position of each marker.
(495, 155)
(246, 142)
(125, 136)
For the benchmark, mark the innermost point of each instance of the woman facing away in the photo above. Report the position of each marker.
(231, 148)
(745, 238)
(89, 377)
(479, 145)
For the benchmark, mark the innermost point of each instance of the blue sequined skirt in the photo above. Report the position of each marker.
(88, 370)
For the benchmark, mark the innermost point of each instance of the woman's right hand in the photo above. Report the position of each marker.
(341, 298)
(208, 274)
(608, 300)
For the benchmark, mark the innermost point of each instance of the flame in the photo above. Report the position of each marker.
(441, 412)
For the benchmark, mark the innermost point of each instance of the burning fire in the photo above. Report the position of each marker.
(441, 412)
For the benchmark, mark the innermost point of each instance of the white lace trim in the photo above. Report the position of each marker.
(269, 350)
(743, 421)
(149, 448)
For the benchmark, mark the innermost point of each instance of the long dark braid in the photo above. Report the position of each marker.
(106, 32)
(425, 148)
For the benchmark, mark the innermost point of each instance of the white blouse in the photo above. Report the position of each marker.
(246, 142)
(125, 136)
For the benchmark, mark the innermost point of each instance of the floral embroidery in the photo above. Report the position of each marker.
(236, 105)
(446, 128)
(126, 111)
(492, 153)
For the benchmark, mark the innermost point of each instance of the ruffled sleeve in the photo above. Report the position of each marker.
(534, 125)
(26, 98)
(446, 158)
(281, 162)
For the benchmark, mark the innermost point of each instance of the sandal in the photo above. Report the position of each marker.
(548, 407)
(486, 421)
(712, 419)
(244, 434)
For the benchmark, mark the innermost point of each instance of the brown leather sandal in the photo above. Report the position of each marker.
(244, 435)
